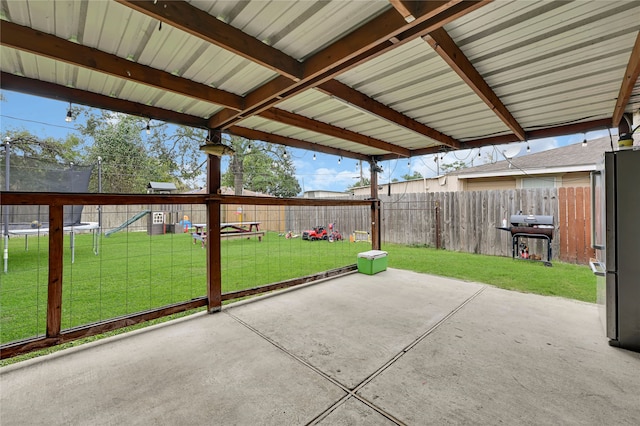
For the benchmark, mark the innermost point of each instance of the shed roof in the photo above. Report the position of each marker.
(355, 78)
(162, 186)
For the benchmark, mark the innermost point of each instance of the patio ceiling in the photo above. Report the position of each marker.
(377, 78)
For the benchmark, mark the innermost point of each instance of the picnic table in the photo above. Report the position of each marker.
(227, 230)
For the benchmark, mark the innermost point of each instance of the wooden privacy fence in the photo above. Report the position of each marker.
(574, 227)
(271, 219)
(468, 221)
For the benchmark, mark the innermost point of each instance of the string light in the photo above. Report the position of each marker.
(528, 147)
(409, 163)
(584, 142)
(148, 129)
(249, 149)
(314, 156)
(69, 117)
(339, 160)
(285, 154)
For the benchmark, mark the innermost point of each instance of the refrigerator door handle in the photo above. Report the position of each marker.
(597, 268)
(593, 177)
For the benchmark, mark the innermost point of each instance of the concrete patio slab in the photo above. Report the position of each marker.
(394, 348)
(354, 412)
(204, 370)
(351, 326)
(513, 358)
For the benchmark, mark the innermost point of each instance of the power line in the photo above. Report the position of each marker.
(38, 122)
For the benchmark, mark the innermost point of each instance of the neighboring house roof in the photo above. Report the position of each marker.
(225, 190)
(570, 158)
(320, 193)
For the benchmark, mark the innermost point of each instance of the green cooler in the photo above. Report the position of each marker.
(372, 261)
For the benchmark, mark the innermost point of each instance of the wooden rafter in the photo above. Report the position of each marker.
(199, 23)
(302, 122)
(629, 80)
(386, 32)
(444, 45)
(82, 97)
(39, 43)
(295, 143)
(352, 96)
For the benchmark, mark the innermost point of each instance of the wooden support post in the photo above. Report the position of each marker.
(375, 208)
(214, 266)
(54, 298)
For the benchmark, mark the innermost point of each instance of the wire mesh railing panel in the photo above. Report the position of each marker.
(290, 247)
(141, 260)
(24, 278)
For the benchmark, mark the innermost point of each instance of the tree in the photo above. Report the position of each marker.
(63, 151)
(176, 152)
(126, 164)
(451, 167)
(260, 167)
(360, 182)
(416, 175)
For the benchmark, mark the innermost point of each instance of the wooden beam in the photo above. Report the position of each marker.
(360, 100)
(258, 135)
(444, 45)
(549, 132)
(379, 36)
(56, 242)
(302, 122)
(182, 15)
(78, 96)
(629, 81)
(41, 44)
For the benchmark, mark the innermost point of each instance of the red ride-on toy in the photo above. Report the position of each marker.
(317, 233)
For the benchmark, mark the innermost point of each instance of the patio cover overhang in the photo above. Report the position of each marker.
(367, 80)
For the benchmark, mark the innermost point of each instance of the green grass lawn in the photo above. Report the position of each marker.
(561, 279)
(134, 272)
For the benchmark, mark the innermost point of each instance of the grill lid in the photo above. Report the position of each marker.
(530, 220)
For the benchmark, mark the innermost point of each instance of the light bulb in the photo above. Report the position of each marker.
(148, 129)
(528, 148)
(314, 156)
(69, 117)
(339, 160)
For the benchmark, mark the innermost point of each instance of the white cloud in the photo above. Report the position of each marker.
(329, 179)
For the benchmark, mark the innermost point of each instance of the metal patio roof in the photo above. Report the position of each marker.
(362, 79)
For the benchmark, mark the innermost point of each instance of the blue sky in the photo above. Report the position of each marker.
(45, 118)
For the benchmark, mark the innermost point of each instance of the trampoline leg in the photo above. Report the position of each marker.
(73, 251)
(6, 253)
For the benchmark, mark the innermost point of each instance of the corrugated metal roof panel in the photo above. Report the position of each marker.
(298, 28)
(551, 63)
(417, 82)
(318, 106)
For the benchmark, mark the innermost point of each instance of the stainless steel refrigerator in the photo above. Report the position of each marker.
(616, 238)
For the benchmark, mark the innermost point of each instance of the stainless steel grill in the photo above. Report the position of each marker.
(533, 226)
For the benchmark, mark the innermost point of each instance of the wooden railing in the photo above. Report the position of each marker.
(54, 334)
